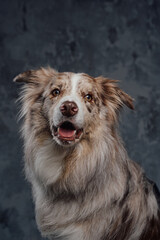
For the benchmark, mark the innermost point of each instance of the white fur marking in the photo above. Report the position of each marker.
(74, 82)
(48, 163)
(73, 96)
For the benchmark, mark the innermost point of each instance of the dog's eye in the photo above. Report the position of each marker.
(88, 97)
(55, 92)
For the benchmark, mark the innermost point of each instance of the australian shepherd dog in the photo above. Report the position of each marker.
(84, 185)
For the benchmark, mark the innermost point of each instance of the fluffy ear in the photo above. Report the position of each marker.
(26, 77)
(112, 93)
(125, 98)
(35, 77)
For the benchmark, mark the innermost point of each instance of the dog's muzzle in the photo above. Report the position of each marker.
(67, 130)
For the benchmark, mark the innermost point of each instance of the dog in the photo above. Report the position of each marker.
(84, 185)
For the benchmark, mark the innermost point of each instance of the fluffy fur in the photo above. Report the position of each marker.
(85, 188)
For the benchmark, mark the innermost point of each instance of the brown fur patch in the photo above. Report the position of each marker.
(152, 229)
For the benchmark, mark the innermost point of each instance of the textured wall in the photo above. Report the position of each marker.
(117, 38)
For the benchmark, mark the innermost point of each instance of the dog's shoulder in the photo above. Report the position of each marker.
(156, 191)
(157, 194)
(152, 228)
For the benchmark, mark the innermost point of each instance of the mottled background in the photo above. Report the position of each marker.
(117, 38)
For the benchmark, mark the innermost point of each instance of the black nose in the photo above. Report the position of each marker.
(69, 109)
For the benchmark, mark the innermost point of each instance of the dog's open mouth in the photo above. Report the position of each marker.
(67, 131)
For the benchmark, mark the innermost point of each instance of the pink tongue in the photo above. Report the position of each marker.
(66, 133)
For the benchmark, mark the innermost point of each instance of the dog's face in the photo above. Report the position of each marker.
(73, 105)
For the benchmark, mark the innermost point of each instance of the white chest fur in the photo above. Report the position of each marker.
(48, 163)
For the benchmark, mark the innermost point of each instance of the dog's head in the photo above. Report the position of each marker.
(72, 105)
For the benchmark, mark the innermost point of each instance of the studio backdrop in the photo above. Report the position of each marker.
(119, 39)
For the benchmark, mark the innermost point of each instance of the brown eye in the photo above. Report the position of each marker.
(55, 92)
(88, 97)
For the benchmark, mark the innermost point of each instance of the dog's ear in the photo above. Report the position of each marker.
(26, 77)
(111, 92)
(35, 77)
(125, 98)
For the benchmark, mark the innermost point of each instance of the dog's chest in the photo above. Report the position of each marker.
(48, 163)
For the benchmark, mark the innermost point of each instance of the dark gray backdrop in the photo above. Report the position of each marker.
(117, 38)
